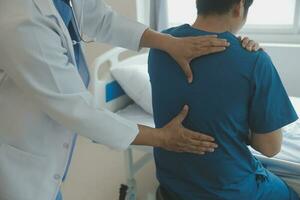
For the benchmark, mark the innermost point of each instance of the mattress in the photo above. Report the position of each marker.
(286, 164)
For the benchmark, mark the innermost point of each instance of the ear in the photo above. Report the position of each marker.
(238, 9)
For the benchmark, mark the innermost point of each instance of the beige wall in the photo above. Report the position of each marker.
(96, 172)
(124, 7)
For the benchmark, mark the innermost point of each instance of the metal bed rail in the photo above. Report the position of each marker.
(132, 168)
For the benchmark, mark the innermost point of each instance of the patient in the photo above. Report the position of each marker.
(232, 92)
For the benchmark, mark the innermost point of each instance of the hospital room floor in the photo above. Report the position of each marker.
(97, 172)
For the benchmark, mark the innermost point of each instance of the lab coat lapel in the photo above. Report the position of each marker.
(47, 8)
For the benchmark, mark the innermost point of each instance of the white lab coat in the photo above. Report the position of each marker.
(43, 100)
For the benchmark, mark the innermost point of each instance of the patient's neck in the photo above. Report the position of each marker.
(213, 23)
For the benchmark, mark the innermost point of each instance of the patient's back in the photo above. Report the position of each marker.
(220, 100)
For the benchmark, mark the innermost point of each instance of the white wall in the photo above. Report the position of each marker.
(287, 61)
(124, 7)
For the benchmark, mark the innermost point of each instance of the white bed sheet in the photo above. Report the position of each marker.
(136, 114)
(286, 164)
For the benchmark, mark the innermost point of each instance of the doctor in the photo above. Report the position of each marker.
(43, 95)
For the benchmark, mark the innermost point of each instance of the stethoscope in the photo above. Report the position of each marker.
(79, 24)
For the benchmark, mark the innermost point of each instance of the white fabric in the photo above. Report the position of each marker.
(42, 97)
(137, 115)
(135, 81)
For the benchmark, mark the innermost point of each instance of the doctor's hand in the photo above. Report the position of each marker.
(184, 50)
(174, 137)
(250, 45)
(179, 139)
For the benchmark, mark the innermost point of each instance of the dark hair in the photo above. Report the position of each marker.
(206, 7)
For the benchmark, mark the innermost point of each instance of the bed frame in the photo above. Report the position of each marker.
(109, 95)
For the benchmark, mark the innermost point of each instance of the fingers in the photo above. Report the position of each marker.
(256, 47)
(250, 45)
(214, 42)
(182, 115)
(179, 139)
(211, 42)
(202, 146)
(208, 145)
(193, 47)
(198, 143)
(205, 37)
(198, 136)
(198, 147)
(187, 71)
(245, 42)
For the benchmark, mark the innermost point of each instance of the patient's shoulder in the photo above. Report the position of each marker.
(241, 55)
(263, 56)
(264, 62)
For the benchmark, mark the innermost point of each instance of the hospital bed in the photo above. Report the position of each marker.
(109, 95)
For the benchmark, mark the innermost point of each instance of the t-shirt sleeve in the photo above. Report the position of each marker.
(270, 106)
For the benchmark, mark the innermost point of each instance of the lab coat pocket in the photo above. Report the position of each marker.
(21, 173)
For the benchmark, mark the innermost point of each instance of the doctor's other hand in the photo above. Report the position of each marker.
(184, 50)
(249, 44)
(179, 139)
(174, 137)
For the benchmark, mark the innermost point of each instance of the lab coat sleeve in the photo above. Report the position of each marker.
(33, 56)
(98, 21)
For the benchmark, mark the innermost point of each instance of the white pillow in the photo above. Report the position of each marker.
(135, 81)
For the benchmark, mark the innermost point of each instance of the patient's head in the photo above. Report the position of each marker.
(232, 13)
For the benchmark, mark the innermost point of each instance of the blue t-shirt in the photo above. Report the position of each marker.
(233, 92)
